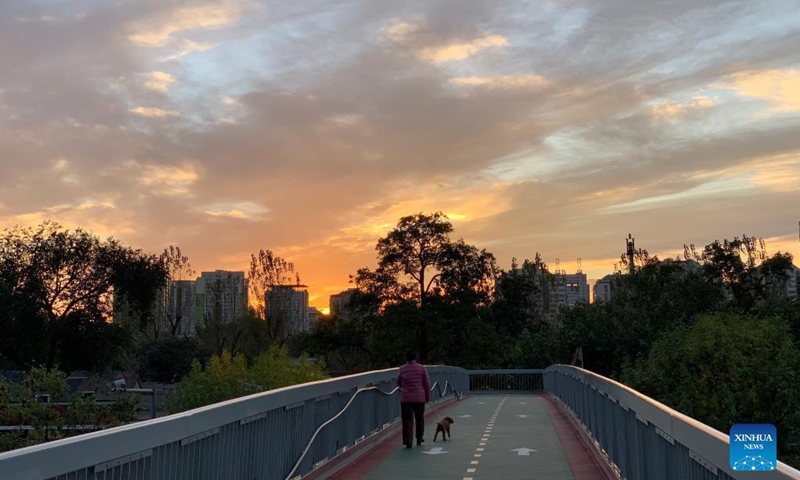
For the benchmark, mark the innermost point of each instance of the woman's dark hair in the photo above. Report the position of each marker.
(411, 355)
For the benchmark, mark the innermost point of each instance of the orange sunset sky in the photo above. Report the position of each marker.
(310, 127)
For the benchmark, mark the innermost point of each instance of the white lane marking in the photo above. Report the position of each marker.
(524, 452)
(435, 451)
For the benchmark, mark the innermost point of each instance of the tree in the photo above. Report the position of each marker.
(522, 297)
(169, 360)
(270, 278)
(467, 274)
(228, 376)
(24, 340)
(418, 260)
(21, 407)
(344, 343)
(743, 268)
(138, 281)
(653, 300)
(51, 274)
(725, 369)
(174, 302)
(539, 348)
(416, 248)
(641, 259)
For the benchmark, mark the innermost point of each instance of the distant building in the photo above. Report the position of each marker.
(603, 289)
(338, 303)
(288, 305)
(220, 296)
(797, 281)
(313, 316)
(179, 307)
(687, 265)
(793, 283)
(570, 289)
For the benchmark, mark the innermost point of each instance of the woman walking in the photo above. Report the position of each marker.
(415, 391)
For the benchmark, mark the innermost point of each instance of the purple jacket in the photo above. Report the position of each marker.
(415, 386)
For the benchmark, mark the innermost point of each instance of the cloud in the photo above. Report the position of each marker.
(521, 120)
(779, 173)
(460, 51)
(236, 210)
(399, 31)
(166, 180)
(151, 112)
(503, 82)
(188, 48)
(231, 102)
(677, 109)
(60, 165)
(781, 87)
(158, 81)
(157, 30)
(98, 215)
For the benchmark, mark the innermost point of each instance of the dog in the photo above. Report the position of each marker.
(443, 426)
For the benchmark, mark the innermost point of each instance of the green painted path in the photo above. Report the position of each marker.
(501, 437)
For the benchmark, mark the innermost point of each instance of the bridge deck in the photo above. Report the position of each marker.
(504, 437)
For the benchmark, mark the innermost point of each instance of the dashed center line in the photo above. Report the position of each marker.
(485, 438)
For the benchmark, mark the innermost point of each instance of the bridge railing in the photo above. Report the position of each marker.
(507, 381)
(642, 438)
(275, 435)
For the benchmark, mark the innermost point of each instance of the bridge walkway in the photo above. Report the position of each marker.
(499, 437)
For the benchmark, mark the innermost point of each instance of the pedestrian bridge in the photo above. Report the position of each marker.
(559, 423)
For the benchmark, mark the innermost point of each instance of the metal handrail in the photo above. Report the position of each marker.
(447, 384)
(709, 443)
(363, 389)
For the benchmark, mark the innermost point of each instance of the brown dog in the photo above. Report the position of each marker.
(444, 427)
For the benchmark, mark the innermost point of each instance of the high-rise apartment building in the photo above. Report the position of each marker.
(288, 306)
(221, 296)
(338, 302)
(793, 283)
(569, 289)
(603, 288)
(313, 316)
(179, 306)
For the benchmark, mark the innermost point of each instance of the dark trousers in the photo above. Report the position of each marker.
(412, 412)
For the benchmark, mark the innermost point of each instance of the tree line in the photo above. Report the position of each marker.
(711, 334)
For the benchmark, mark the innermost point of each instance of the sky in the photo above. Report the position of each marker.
(310, 127)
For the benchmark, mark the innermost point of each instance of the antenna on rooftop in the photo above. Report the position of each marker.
(631, 250)
(580, 270)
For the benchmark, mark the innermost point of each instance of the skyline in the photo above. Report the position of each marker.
(309, 129)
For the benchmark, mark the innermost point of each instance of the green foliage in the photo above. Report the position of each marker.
(56, 289)
(656, 298)
(86, 344)
(228, 376)
(19, 406)
(743, 268)
(726, 369)
(522, 300)
(268, 271)
(419, 264)
(168, 360)
(248, 334)
(348, 343)
(539, 348)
